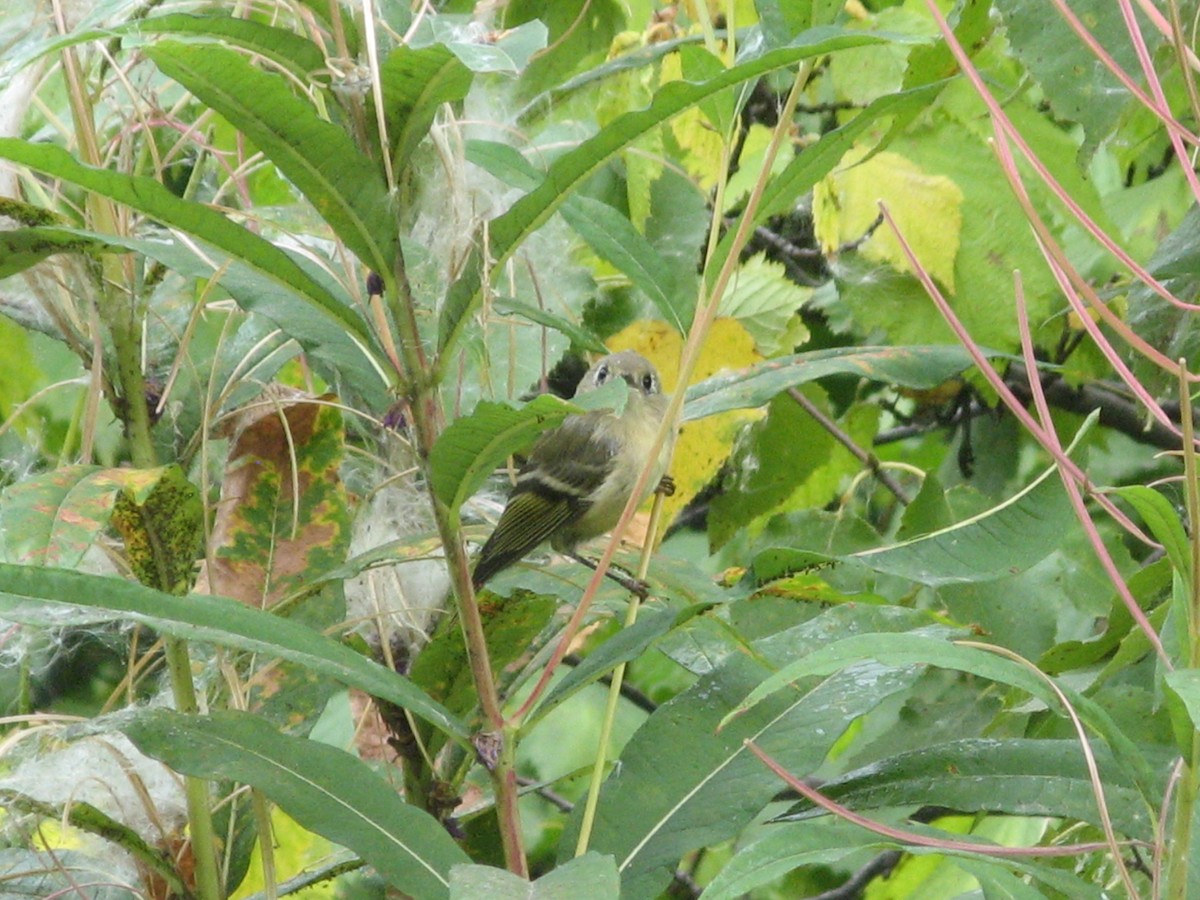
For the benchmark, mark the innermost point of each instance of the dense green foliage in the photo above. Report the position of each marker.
(277, 286)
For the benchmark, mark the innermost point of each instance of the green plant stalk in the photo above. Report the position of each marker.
(425, 407)
(1189, 783)
(266, 841)
(614, 689)
(124, 326)
(200, 824)
(126, 334)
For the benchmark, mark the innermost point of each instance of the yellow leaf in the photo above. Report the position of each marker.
(703, 446)
(927, 209)
(700, 143)
(296, 849)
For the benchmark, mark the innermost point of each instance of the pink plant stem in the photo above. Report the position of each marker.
(1158, 107)
(1002, 121)
(1006, 395)
(1049, 441)
(1073, 492)
(1160, 97)
(908, 837)
(1069, 279)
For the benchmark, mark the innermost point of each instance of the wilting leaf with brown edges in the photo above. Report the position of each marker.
(282, 514)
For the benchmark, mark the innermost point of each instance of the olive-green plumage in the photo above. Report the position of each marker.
(579, 476)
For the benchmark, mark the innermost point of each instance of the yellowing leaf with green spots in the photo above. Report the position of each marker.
(54, 518)
(283, 519)
(160, 517)
(702, 446)
(927, 209)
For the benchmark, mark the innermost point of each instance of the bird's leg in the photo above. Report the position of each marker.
(616, 573)
(666, 487)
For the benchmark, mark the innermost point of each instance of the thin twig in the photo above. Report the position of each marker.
(551, 796)
(880, 866)
(865, 457)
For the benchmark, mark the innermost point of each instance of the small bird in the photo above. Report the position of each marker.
(579, 476)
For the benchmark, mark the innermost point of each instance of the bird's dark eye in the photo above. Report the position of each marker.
(647, 382)
(602, 375)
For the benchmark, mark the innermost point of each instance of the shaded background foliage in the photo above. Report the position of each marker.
(278, 287)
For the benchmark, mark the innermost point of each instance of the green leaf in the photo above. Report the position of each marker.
(780, 848)
(609, 233)
(581, 337)
(36, 596)
(767, 303)
(614, 239)
(293, 291)
(1017, 776)
(914, 648)
(786, 461)
(627, 644)
(1163, 521)
(511, 626)
(914, 367)
(682, 784)
(509, 53)
(591, 875)
(286, 49)
(1185, 683)
(21, 248)
(1004, 540)
(415, 85)
(507, 231)
(1165, 326)
(697, 64)
(505, 162)
(327, 790)
(343, 185)
(1075, 86)
(782, 20)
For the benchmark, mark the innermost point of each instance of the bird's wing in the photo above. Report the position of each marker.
(577, 460)
(552, 491)
(529, 519)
